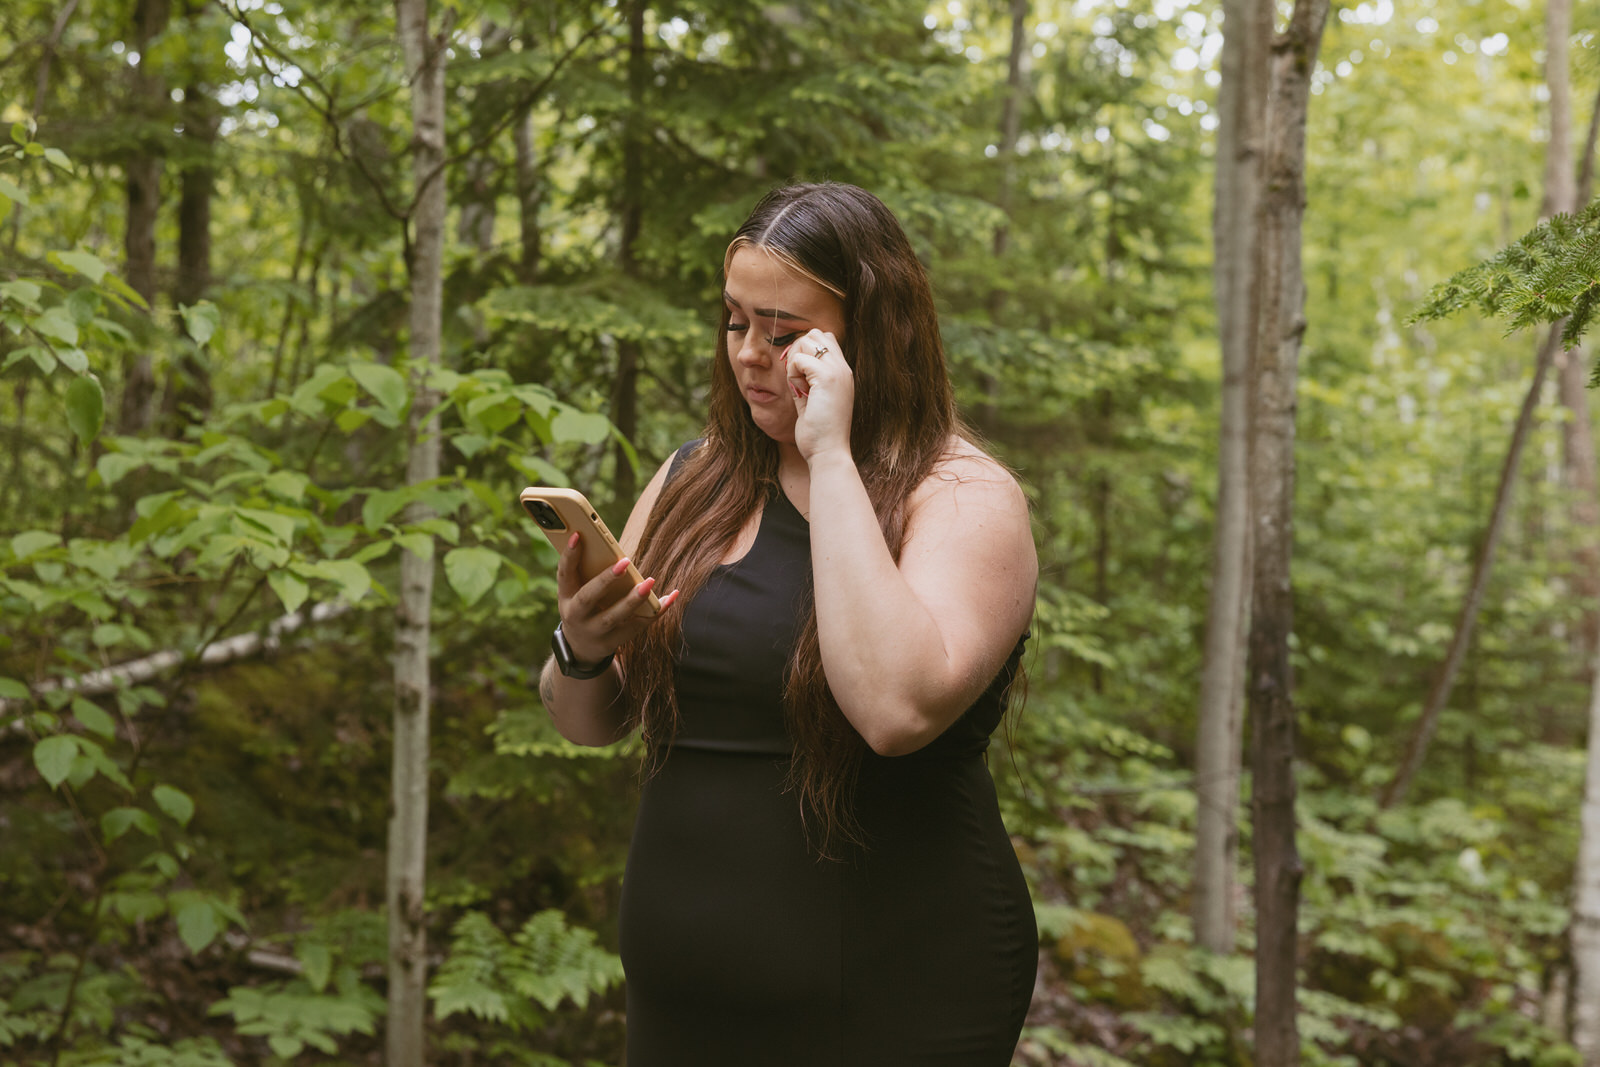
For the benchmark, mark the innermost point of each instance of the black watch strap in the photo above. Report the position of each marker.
(568, 664)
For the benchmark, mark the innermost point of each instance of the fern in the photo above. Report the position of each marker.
(292, 1015)
(1550, 273)
(546, 962)
(136, 1051)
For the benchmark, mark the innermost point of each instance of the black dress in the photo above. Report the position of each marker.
(742, 949)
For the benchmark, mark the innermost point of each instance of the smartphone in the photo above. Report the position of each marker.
(560, 511)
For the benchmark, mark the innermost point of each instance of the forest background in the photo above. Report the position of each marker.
(212, 218)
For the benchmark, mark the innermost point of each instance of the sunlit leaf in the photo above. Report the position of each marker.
(385, 383)
(291, 590)
(471, 571)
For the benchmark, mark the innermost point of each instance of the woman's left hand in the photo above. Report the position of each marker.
(824, 394)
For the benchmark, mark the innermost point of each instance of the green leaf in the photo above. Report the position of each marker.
(196, 918)
(471, 571)
(285, 1046)
(291, 485)
(200, 321)
(118, 821)
(57, 158)
(86, 408)
(175, 802)
(11, 689)
(281, 527)
(84, 263)
(443, 528)
(74, 359)
(539, 470)
(290, 589)
(381, 505)
(351, 577)
(418, 544)
(571, 425)
(21, 291)
(94, 717)
(126, 291)
(383, 382)
(317, 959)
(42, 358)
(11, 192)
(469, 444)
(53, 757)
(26, 544)
(115, 466)
(56, 323)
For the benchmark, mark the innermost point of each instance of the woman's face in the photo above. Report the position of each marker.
(770, 307)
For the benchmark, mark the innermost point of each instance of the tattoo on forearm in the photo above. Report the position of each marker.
(547, 690)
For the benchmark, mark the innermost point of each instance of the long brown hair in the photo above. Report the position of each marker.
(845, 239)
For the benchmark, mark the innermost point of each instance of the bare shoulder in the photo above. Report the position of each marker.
(971, 512)
(969, 553)
(967, 476)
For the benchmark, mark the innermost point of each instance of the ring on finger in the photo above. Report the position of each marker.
(819, 353)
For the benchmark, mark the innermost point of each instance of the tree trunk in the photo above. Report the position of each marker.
(1247, 40)
(143, 176)
(530, 191)
(1274, 371)
(1558, 173)
(1578, 452)
(408, 823)
(188, 391)
(1010, 127)
(1585, 925)
(625, 387)
(1585, 930)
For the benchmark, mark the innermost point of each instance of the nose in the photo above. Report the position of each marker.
(754, 351)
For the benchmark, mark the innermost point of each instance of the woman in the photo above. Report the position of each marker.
(818, 874)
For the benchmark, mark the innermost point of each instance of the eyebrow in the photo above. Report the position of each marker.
(766, 313)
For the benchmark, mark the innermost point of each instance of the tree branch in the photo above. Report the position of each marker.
(212, 654)
(260, 45)
(50, 44)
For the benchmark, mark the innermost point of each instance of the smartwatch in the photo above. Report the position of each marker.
(568, 664)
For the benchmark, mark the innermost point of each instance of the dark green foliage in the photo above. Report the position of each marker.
(194, 858)
(1550, 273)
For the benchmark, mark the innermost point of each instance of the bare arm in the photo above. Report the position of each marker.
(597, 618)
(907, 648)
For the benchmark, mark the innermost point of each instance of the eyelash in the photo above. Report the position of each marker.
(778, 342)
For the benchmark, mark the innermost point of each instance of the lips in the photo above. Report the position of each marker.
(757, 395)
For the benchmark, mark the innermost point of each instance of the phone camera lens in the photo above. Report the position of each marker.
(545, 515)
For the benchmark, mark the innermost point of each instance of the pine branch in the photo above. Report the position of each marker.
(1550, 273)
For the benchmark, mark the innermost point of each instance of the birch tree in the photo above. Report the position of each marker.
(1280, 326)
(1585, 921)
(1247, 38)
(408, 820)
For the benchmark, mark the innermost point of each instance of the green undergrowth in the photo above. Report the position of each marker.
(1428, 933)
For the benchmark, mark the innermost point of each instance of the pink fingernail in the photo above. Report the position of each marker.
(572, 542)
(644, 587)
(620, 566)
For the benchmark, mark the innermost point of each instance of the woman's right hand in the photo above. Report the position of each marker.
(601, 615)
